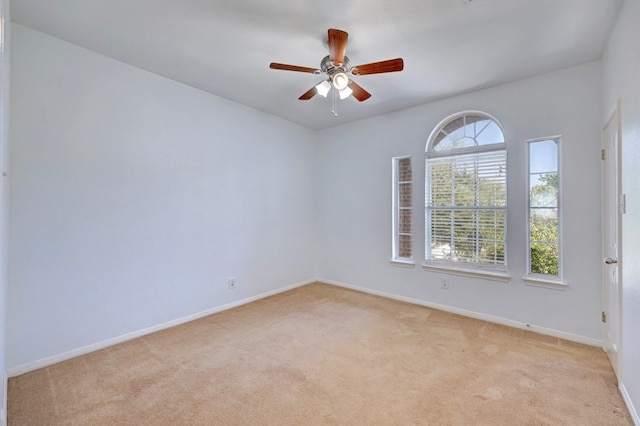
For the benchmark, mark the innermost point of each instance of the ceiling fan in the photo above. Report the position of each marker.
(337, 67)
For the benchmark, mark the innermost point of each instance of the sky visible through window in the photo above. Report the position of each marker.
(543, 160)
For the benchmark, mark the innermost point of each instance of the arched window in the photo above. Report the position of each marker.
(466, 193)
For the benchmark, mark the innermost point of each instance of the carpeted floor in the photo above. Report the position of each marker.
(322, 355)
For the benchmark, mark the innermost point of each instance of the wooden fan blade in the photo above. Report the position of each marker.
(337, 46)
(358, 92)
(308, 94)
(277, 66)
(391, 65)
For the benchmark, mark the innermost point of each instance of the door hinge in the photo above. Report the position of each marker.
(603, 154)
(604, 316)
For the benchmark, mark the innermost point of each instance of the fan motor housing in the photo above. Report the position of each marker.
(329, 68)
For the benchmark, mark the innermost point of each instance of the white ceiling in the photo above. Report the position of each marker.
(225, 46)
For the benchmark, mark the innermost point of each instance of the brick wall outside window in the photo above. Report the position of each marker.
(403, 203)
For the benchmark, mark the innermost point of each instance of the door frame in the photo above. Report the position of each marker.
(614, 119)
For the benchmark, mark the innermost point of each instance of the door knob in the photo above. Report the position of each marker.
(610, 260)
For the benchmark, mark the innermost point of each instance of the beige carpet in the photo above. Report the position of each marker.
(321, 355)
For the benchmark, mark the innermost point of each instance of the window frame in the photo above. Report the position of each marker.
(532, 278)
(396, 259)
(492, 272)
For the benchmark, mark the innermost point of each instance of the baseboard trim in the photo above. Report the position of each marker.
(45, 362)
(471, 314)
(627, 400)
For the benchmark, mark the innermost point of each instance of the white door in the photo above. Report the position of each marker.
(612, 208)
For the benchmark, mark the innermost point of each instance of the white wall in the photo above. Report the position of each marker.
(621, 71)
(4, 196)
(134, 198)
(355, 199)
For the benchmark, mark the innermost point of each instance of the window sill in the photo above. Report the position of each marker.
(474, 273)
(402, 263)
(556, 284)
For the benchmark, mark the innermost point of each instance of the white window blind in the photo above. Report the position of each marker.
(466, 209)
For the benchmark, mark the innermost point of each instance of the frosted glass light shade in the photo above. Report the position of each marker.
(323, 88)
(340, 80)
(345, 93)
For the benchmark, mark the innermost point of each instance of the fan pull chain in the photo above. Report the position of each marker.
(334, 101)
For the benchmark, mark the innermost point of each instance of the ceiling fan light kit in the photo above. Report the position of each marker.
(323, 88)
(345, 93)
(340, 80)
(338, 68)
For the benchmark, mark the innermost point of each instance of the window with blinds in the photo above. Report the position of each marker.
(466, 193)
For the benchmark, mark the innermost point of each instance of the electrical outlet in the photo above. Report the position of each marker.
(444, 283)
(231, 283)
